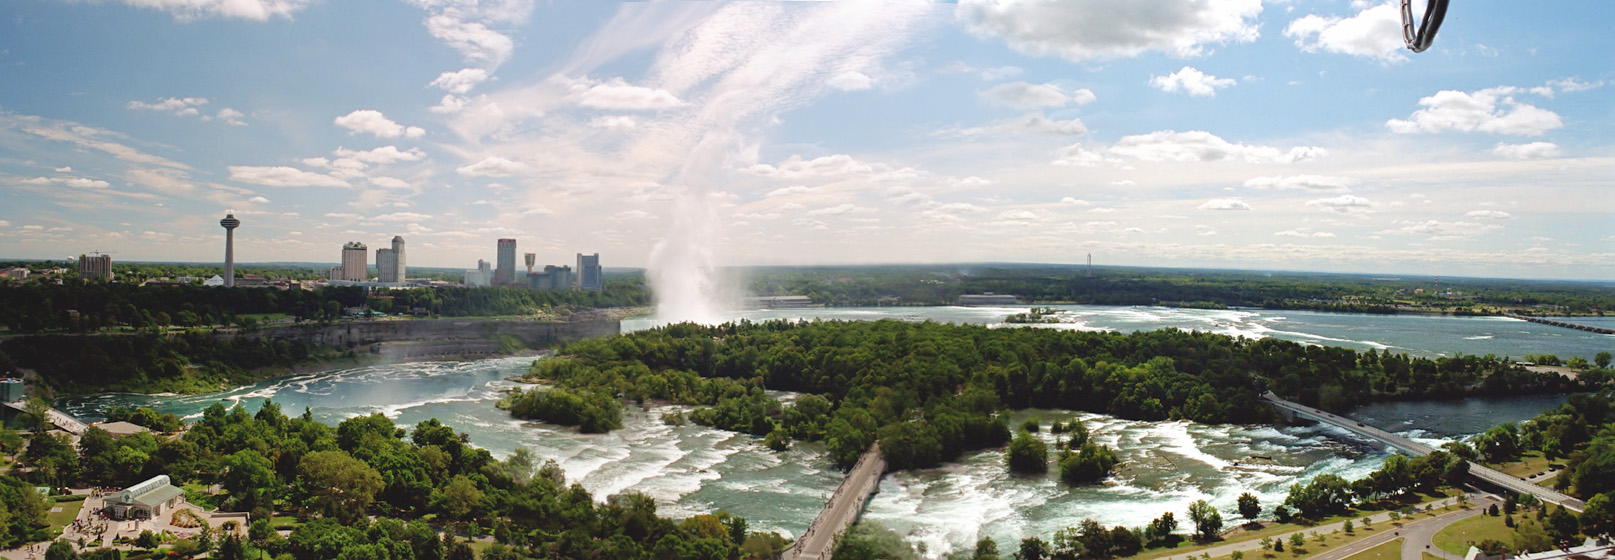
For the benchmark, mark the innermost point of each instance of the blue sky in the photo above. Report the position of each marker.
(1224, 133)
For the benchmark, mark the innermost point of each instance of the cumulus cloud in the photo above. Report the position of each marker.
(1300, 182)
(258, 10)
(1082, 30)
(460, 81)
(180, 106)
(837, 210)
(280, 176)
(1030, 123)
(1489, 110)
(1024, 95)
(614, 122)
(1440, 230)
(1199, 145)
(1075, 202)
(620, 95)
(851, 81)
(1343, 204)
(1375, 32)
(231, 117)
(390, 183)
(373, 122)
(402, 217)
(793, 189)
(1491, 214)
(1530, 150)
(1294, 233)
(1225, 204)
(1191, 81)
(475, 41)
(795, 167)
(75, 182)
(1077, 156)
(381, 156)
(492, 166)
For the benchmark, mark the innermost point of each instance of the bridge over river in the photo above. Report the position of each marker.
(57, 418)
(843, 508)
(1478, 471)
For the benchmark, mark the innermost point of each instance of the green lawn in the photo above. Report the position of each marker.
(1388, 551)
(58, 520)
(1281, 528)
(1455, 538)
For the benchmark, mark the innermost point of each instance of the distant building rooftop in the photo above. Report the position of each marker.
(122, 429)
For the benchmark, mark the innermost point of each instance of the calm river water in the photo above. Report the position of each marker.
(1167, 465)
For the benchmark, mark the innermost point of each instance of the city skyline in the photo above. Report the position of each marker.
(1220, 133)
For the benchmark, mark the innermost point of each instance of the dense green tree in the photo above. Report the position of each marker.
(1249, 507)
(343, 486)
(1027, 454)
(1207, 520)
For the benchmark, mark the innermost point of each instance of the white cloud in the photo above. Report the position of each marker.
(1343, 204)
(1492, 214)
(1301, 182)
(1078, 156)
(1225, 204)
(794, 189)
(402, 217)
(231, 117)
(1530, 150)
(795, 167)
(449, 105)
(475, 41)
(1075, 202)
(181, 107)
(493, 166)
(837, 210)
(851, 81)
(460, 81)
(1029, 123)
(619, 95)
(390, 183)
(1024, 95)
(1081, 30)
(259, 10)
(280, 176)
(1191, 81)
(1574, 84)
(1489, 110)
(1294, 233)
(614, 122)
(1199, 145)
(75, 182)
(1375, 32)
(373, 122)
(1439, 230)
(381, 156)
(258, 200)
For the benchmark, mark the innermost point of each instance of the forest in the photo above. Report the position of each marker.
(366, 489)
(78, 306)
(943, 284)
(930, 391)
(192, 361)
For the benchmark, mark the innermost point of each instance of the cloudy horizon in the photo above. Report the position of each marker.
(1280, 135)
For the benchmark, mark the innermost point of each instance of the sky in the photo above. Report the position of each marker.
(1288, 135)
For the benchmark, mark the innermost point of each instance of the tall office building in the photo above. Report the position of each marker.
(553, 279)
(398, 251)
(98, 267)
(386, 265)
(354, 261)
(505, 272)
(230, 223)
(588, 273)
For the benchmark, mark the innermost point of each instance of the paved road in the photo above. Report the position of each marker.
(843, 508)
(1477, 470)
(1381, 524)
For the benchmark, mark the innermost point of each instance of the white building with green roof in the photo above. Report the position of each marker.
(147, 500)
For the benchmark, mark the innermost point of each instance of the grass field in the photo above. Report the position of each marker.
(58, 520)
(1282, 528)
(1388, 551)
(1455, 538)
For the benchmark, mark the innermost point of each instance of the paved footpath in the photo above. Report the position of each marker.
(1381, 521)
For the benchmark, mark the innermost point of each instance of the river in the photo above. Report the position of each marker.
(693, 469)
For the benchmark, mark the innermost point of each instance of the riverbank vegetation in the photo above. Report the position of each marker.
(1581, 433)
(366, 488)
(79, 307)
(193, 361)
(1200, 288)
